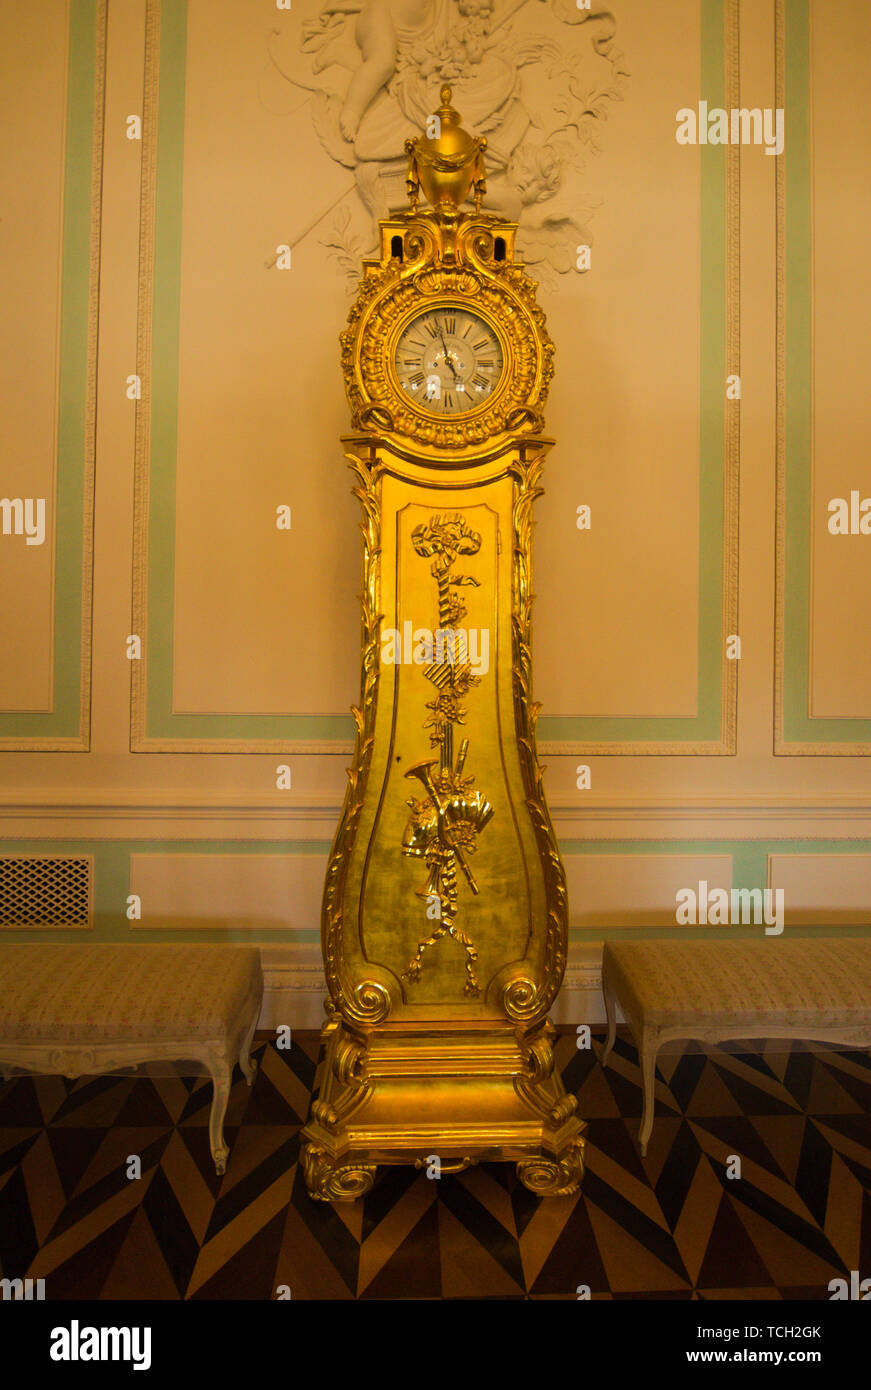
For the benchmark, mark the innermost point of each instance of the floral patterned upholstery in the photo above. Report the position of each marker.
(714, 990)
(94, 994)
(800, 984)
(86, 1007)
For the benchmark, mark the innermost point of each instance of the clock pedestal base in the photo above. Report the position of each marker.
(409, 1095)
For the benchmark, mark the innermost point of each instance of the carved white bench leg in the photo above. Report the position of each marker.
(246, 1061)
(221, 1072)
(647, 1051)
(611, 1016)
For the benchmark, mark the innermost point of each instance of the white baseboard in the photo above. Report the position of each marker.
(294, 987)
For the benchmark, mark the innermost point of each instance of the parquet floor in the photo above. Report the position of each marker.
(673, 1225)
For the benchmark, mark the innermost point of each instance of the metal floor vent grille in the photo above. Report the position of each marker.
(45, 891)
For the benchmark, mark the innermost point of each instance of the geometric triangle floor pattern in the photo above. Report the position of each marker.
(671, 1225)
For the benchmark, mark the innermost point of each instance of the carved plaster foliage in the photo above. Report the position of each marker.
(536, 77)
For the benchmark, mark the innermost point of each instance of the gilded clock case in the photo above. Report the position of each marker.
(444, 919)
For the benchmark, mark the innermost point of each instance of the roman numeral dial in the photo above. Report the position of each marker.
(448, 360)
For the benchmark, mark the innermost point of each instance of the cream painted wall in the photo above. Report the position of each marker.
(756, 772)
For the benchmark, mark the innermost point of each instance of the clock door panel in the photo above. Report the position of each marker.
(418, 861)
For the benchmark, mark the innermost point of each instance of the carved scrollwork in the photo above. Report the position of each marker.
(73, 1062)
(535, 1086)
(366, 1002)
(438, 282)
(539, 1057)
(563, 1108)
(524, 418)
(330, 1181)
(456, 264)
(420, 244)
(523, 999)
(373, 1001)
(348, 1061)
(526, 989)
(478, 245)
(549, 1177)
(325, 1114)
(375, 417)
(520, 999)
(349, 1071)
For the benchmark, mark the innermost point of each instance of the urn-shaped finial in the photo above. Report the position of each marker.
(447, 162)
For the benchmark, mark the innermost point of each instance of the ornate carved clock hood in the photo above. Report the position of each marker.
(444, 916)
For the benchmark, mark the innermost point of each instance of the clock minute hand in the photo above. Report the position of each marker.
(448, 357)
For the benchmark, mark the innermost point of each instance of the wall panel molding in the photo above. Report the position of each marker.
(796, 731)
(155, 727)
(832, 889)
(116, 816)
(65, 726)
(231, 889)
(714, 730)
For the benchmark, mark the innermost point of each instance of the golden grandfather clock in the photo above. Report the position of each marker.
(444, 916)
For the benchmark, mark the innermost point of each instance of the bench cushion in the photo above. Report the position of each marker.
(93, 993)
(794, 983)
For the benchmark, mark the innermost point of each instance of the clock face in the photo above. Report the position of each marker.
(448, 360)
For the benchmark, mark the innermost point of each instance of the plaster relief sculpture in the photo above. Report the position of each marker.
(536, 77)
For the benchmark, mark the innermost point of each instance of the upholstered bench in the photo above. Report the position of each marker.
(77, 1009)
(716, 990)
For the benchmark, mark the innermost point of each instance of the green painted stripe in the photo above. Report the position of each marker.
(712, 389)
(749, 855)
(798, 726)
(112, 885)
(706, 726)
(749, 870)
(112, 881)
(63, 720)
(164, 360)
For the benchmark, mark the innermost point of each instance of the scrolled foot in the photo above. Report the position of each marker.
(330, 1181)
(549, 1177)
